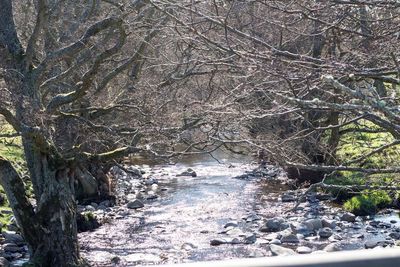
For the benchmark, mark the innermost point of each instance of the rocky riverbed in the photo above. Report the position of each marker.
(173, 214)
(209, 211)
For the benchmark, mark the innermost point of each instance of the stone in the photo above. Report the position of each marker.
(274, 225)
(303, 250)
(4, 262)
(288, 198)
(135, 204)
(250, 239)
(231, 224)
(217, 242)
(134, 171)
(333, 247)
(371, 244)
(348, 217)
(289, 238)
(328, 223)
(12, 237)
(314, 224)
(188, 172)
(325, 232)
(275, 242)
(281, 251)
(395, 235)
(12, 248)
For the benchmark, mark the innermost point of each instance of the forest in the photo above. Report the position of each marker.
(165, 131)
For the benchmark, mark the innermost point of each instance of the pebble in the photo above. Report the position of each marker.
(289, 238)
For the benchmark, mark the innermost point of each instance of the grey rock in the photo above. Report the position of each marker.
(250, 239)
(188, 172)
(90, 208)
(12, 248)
(217, 242)
(333, 247)
(303, 250)
(395, 235)
(289, 238)
(314, 224)
(281, 251)
(275, 242)
(371, 244)
(274, 225)
(325, 232)
(12, 237)
(328, 223)
(231, 224)
(348, 217)
(4, 262)
(288, 198)
(134, 171)
(135, 204)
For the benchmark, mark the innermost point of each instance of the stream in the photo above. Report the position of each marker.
(188, 214)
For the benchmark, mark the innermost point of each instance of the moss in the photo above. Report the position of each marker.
(368, 203)
(360, 205)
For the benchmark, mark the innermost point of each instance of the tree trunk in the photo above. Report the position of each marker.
(50, 229)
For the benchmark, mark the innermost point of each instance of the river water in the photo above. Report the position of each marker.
(188, 213)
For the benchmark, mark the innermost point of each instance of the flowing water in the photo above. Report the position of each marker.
(188, 213)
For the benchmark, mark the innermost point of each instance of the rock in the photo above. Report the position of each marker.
(289, 238)
(288, 198)
(333, 247)
(105, 203)
(303, 250)
(134, 171)
(250, 239)
(152, 197)
(313, 224)
(275, 242)
(328, 223)
(217, 242)
(4, 262)
(395, 235)
(90, 208)
(371, 244)
(150, 181)
(274, 225)
(281, 251)
(12, 248)
(304, 229)
(348, 217)
(325, 232)
(231, 224)
(273, 236)
(12, 237)
(135, 204)
(188, 172)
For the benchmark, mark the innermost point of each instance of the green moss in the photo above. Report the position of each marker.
(368, 203)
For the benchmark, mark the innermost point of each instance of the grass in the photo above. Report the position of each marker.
(10, 149)
(354, 145)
